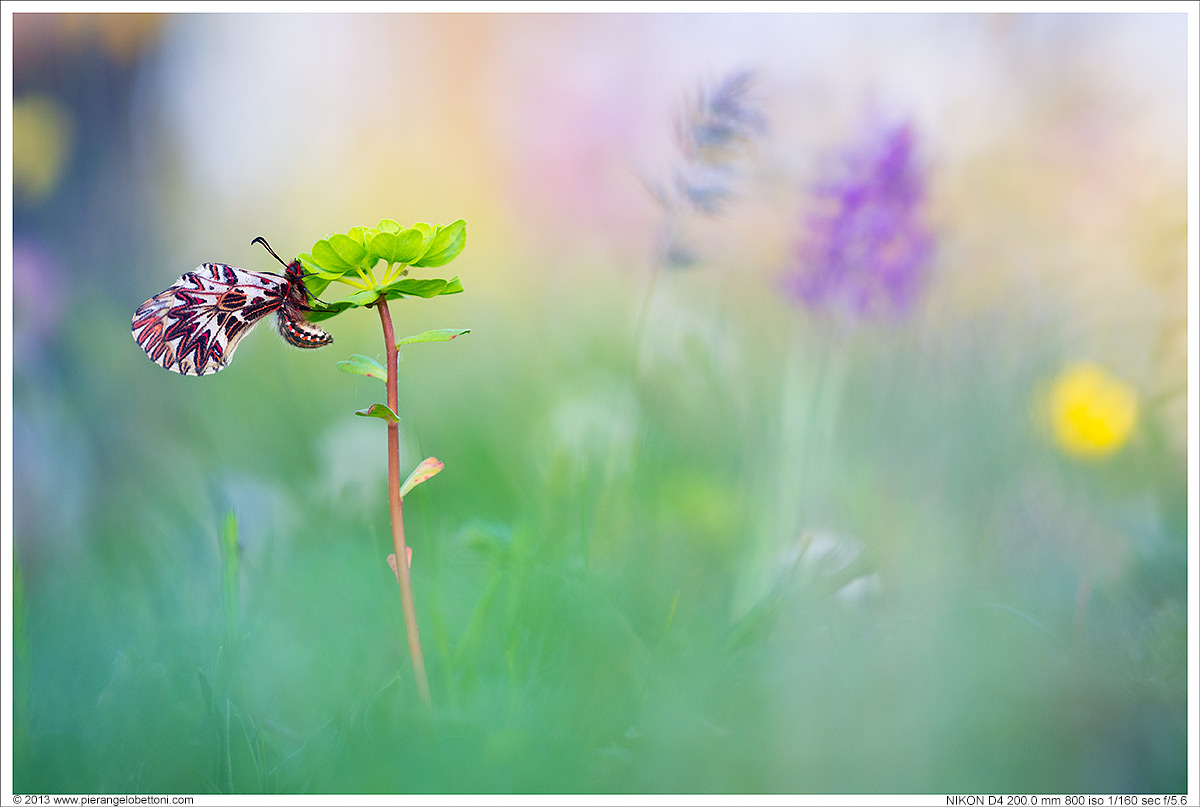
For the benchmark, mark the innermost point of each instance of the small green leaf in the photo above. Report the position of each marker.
(388, 226)
(314, 268)
(359, 299)
(316, 285)
(348, 249)
(446, 244)
(403, 247)
(403, 287)
(439, 335)
(328, 311)
(362, 297)
(414, 287)
(359, 364)
(327, 260)
(359, 234)
(429, 467)
(381, 411)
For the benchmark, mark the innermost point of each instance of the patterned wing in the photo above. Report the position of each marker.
(194, 327)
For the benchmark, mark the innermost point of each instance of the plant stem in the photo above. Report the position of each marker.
(666, 236)
(396, 505)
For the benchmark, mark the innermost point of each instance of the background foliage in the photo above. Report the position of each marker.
(709, 521)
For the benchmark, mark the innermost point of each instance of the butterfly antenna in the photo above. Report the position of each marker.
(268, 246)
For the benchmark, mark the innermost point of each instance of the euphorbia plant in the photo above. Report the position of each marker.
(374, 262)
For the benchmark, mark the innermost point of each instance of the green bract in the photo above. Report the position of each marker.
(374, 262)
(378, 410)
(359, 364)
(439, 335)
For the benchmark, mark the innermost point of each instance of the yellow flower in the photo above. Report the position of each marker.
(1091, 412)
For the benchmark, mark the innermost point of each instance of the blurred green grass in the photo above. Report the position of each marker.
(629, 578)
(734, 550)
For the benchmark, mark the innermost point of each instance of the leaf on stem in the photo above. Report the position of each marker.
(403, 247)
(338, 253)
(378, 410)
(447, 242)
(439, 335)
(404, 287)
(359, 364)
(359, 299)
(415, 287)
(429, 467)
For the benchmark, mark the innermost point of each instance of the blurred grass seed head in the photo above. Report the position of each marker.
(717, 129)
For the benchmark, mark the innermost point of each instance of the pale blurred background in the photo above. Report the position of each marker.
(665, 433)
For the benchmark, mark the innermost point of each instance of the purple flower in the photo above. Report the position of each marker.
(865, 249)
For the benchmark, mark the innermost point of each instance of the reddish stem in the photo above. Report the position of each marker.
(396, 505)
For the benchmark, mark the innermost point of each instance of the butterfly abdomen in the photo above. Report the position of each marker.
(298, 331)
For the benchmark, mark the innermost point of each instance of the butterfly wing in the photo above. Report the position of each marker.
(194, 327)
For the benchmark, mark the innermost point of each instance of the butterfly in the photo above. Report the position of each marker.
(194, 326)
